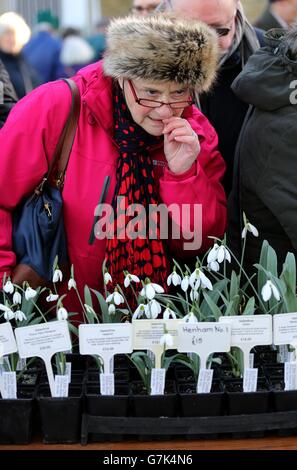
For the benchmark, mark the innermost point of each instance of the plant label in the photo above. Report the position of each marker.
(250, 379)
(105, 340)
(107, 384)
(9, 386)
(205, 381)
(203, 339)
(285, 329)
(158, 381)
(61, 386)
(248, 331)
(290, 375)
(44, 340)
(7, 340)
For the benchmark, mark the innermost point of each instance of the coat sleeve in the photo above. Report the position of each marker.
(27, 143)
(198, 198)
(8, 96)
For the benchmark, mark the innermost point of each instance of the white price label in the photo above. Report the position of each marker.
(61, 386)
(107, 384)
(250, 379)
(158, 381)
(68, 370)
(285, 329)
(205, 381)
(7, 340)
(9, 385)
(290, 376)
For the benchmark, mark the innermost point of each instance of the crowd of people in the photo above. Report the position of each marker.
(183, 102)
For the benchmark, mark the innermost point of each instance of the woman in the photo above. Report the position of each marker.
(14, 34)
(8, 97)
(138, 127)
(267, 152)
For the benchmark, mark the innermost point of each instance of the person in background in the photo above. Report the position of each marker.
(43, 50)
(14, 34)
(144, 7)
(267, 150)
(98, 40)
(8, 96)
(238, 40)
(76, 51)
(278, 14)
(139, 127)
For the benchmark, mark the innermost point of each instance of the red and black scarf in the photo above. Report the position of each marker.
(143, 256)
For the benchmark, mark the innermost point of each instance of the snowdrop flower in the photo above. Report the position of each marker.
(3, 308)
(190, 318)
(58, 276)
(198, 278)
(174, 279)
(17, 298)
(62, 314)
(111, 309)
(169, 314)
(30, 293)
(116, 298)
(8, 288)
(153, 309)
(185, 283)
(223, 254)
(150, 290)
(268, 290)
(214, 266)
(71, 284)
(249, 228)
(213, 254)
(52, 298)
(130, 278)
(20, 316)
(9, 315)
(167, 340)
(107, 278)
(194, 295)
(140, 311)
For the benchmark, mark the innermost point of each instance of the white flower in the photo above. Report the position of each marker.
(116, 298)
(107, 278)
(268, 290)
(71, 284)
(8, 288)
(130, 278)
(213, 254)
(213, 266)
(20, 316)
(185, 283)
(174, 278)
(194, 295)
(140, 311)
(30, 293)
(153, 309)
(198, 278)
(9, 315)
(249, 228)
(3, 308)
(223, 254)
(52, 298)
(167, 340)
(150, 290)
(111, 309)
(190, 318)
(169, 314)
(62, 314)
(17, 298)
(58, 276)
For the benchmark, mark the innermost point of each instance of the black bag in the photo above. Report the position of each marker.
(38, 225)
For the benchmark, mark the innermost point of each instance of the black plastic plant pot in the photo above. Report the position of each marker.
(201, 404)
(103, 405)
(16, 419)
(60, 417)
(154, 406)
(283, 400)
(239, 402)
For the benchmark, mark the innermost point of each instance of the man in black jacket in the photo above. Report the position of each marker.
(278, 14)
(8, 96)
(237, 40)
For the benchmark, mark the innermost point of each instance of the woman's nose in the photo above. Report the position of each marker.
(165, 111)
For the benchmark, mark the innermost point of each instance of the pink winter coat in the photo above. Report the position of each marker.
(27, 143)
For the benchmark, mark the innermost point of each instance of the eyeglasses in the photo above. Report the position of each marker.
(222, 31)
(157, 104)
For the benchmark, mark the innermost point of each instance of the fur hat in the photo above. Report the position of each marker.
(162, 48)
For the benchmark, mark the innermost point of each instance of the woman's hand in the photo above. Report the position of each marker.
(181, 144)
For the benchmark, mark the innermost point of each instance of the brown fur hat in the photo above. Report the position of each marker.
(162, 48)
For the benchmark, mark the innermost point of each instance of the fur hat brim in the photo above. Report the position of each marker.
(162, 48)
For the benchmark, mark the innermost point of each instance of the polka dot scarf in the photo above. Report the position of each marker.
(140, 255)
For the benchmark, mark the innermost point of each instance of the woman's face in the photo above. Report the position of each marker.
(8, 42)
(151, 119)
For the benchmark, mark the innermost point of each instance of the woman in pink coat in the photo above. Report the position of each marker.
(138, 126)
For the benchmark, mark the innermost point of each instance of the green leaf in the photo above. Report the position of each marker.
(213, 307)
(250, 307)
(103, 306)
